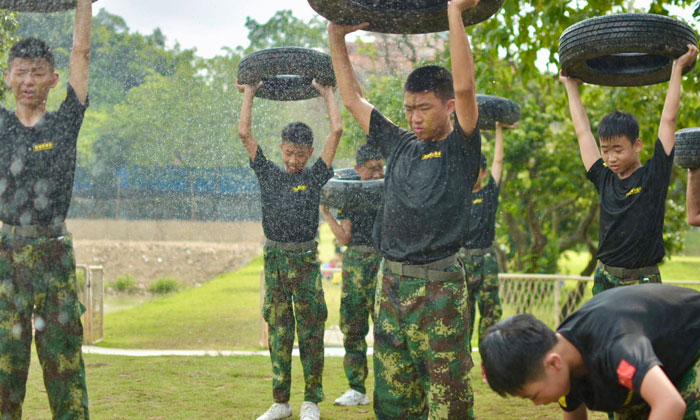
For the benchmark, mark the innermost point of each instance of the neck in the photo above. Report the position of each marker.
(30, 115)
(443, 133)
(571, 356)
(630, 170)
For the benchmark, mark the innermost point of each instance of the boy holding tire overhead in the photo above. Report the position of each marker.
(293, 288)
(421, 354)
(632, 195)
(361, 262)
(37, 261)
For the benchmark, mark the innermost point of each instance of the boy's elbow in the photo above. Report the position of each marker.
(337, 132)
(693, 219)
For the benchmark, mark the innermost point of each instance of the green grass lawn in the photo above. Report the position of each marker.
(170, 388)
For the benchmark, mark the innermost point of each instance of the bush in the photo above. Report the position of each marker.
(124, 284)
(163, 286)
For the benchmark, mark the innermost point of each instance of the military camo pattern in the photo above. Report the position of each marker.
(421, 354)
(37, 277)
(294, 298)
(689, 388)
(356, 307)
(482, 281)
(602, 280)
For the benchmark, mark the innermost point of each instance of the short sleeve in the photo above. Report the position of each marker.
(663, 163)
(320, 173)
(569, 403)
(383, 133)
(260, 164)
(631, 357)
(70, 114)
(597, 172)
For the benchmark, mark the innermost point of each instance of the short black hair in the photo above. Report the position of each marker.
(298, 133)
(618, 123)
(482, 163)
(512, 352)
(367, 152)
(436, 79)
(31, 48)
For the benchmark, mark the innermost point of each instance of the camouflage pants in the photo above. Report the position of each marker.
(421, 354)
(37, 276)
(356, 306)
(294, 295)
(602, 280)
(689, 388)
(482, 282)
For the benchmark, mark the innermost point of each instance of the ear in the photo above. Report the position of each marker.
(7, 78)
(451, 106)
(553, 361)
(357, 168)
(311, 151)
(638, 146)
(54, 82)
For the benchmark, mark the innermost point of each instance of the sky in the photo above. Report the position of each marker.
(207, 25)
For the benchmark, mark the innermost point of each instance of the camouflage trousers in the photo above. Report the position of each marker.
(360, 268)
(689, 388)
(37, 276)
(421, 354)
(294, 297)
(602, 280)
(482, 283)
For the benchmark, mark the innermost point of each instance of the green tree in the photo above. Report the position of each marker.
(284, 29)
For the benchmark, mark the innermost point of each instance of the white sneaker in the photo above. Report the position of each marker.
(277, 411)
(352, 397)
(309, 411)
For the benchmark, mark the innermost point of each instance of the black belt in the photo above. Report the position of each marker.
(432, 271)
(293, 246)
(364, 248)
(34, 231)
(629, 272)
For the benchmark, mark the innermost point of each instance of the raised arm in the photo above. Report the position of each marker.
(667, 126)
(331, 145)
(462, 66)
(80, 53)
(692, 198)
(350, 90)
(245, 131)
(662, 396)
(586, 141)
(342, 230)
(497, 165)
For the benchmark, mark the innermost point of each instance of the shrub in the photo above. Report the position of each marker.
(124, 284)
(163, 286)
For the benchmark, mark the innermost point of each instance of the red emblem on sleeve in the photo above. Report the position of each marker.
(625, 373)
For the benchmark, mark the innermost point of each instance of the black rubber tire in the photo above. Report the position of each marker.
(687, 149)
(38, 6)
(400, 16)
(346, 191)
(626, 49)
(286, 72)
(494, 109)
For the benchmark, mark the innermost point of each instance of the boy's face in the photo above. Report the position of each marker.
(427, 115)
(620, 154)
(31, 79)
(372, 169)
(295, 156)
(552, 385)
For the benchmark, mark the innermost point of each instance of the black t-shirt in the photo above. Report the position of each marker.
(427, 191)
(38, 164)
(632, 211)
(482, 225)
(362, 224)
(622, 333)
(290, 201)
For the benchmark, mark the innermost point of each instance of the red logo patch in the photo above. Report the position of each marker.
(625, 373)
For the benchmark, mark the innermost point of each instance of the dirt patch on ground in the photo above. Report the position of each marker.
(190, 252)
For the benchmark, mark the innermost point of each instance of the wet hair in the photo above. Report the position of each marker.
(298, 133)
(616, 124)
(367, 152)
(512, 352)
(436, 79)
(482, 163)
(31, 48)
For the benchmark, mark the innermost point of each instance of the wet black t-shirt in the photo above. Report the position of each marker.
(632, 211)
(622, 333)
(290, 201)
(362, 222)
(37, 164)
(427, 191)
(482, 225)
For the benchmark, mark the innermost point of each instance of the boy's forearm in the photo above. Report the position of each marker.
(692, 198)
(245, 131)
(80, 52)
(587, 144)
(669, 115)
(463, 72)
(329, 149)
(497, 165)
(340, 234)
